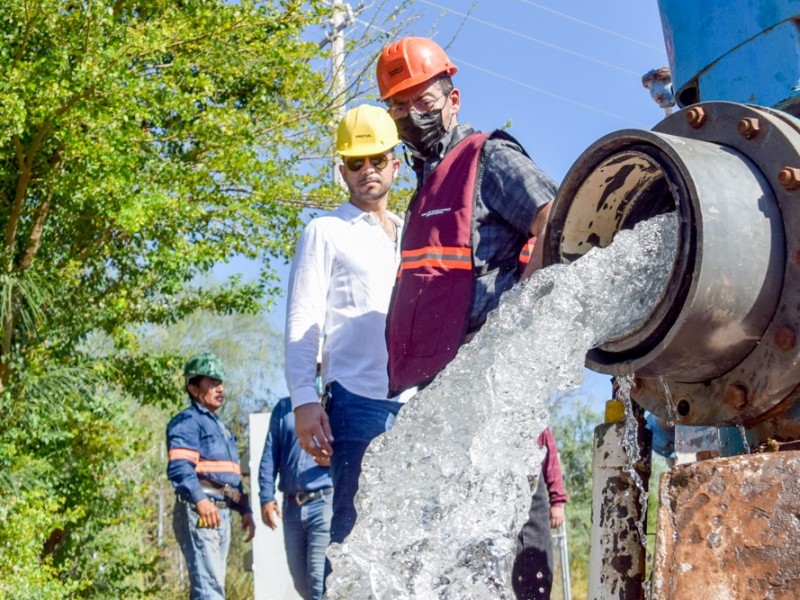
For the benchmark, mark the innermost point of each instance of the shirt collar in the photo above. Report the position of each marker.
(200, 407)
(352, 213)
(444, 145)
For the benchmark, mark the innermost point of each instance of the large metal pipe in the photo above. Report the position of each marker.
(721, 342)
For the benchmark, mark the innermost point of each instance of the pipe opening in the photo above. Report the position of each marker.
(720, 294)
(625, 188)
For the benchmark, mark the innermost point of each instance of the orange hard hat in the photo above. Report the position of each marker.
(408, 62)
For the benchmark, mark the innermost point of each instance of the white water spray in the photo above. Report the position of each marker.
(444, 493)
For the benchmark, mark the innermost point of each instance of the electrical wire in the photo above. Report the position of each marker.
(544, 92)
(528, 86)
(592, 25)
(532, 39)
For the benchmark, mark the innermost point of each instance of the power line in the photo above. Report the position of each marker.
(528, 86)
(592, 25)
(532, 39)
(460, 61)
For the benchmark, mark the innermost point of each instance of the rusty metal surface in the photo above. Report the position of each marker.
(617, 555)
(729, 528)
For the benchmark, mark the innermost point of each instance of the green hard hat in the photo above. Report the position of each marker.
(205, 364)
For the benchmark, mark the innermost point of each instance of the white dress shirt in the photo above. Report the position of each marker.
(339, 290)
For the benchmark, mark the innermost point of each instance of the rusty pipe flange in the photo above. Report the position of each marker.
(715, 302)
(736, 391)
(771, 372)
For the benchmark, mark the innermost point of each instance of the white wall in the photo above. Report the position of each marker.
(270, 572)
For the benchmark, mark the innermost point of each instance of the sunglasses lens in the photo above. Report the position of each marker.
(379, 162)
(354, 163)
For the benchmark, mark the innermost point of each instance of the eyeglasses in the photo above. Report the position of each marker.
(420, 105)
(356, 163)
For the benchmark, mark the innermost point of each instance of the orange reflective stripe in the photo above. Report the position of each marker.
(527, 251)
(218, 466)
(184, 454)
(436, 256)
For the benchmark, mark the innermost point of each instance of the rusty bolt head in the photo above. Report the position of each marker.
(789, 178)
(696, 116)
(735, 396)
(749, 127)
(785, 338)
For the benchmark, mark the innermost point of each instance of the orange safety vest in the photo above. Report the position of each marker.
(432, 298)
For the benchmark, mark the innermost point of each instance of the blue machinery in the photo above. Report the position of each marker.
(719, 353)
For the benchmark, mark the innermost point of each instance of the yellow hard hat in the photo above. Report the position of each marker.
(366, 130)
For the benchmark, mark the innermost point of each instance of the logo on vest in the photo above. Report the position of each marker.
(436, 211)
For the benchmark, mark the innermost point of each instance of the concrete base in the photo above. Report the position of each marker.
(729, 528)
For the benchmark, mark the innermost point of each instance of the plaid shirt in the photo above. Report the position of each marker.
(510, 192)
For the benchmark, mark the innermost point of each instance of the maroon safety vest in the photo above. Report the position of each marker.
(432, 298)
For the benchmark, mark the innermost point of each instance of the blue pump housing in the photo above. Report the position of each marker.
(745, 51)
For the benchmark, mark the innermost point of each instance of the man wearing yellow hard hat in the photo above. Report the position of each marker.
(339, 290)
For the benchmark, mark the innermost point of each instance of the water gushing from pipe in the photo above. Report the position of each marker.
(444, 493)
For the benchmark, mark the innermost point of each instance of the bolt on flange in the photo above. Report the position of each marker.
(696, 117)
(749, 127)
(789, 178)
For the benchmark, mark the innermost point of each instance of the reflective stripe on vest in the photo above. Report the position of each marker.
(527, 251)
(436, 257)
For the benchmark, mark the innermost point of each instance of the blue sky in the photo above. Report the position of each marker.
(562, 73)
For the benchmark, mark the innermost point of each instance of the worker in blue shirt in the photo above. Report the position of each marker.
(205, 473)
(307, 501)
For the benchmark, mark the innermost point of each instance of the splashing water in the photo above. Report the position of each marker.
(630, 444)
(443, 494)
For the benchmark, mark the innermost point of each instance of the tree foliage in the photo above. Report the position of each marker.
(142, 142)
(574, 432)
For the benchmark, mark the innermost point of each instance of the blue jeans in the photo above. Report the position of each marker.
(205, 550)
(306, 535)
(355, 422)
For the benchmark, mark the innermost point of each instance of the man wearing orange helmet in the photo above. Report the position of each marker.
(479, 198)
(339, 291)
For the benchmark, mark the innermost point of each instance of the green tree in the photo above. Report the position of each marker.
(142, 142)
(574, 433)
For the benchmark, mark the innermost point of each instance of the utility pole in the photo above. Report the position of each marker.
(341, 18)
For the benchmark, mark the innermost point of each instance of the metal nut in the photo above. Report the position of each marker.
(735, 396)
(749, 127)
(789, 178)
(696, 116)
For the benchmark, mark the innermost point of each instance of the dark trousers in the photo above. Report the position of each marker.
(532, 575)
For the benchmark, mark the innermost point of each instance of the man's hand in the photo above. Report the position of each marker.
(250, 525)
(324, 461)
(209, 515)
(270, 513)
(556, 516)
(313, 430)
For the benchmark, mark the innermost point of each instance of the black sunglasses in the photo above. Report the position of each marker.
(355, 163)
